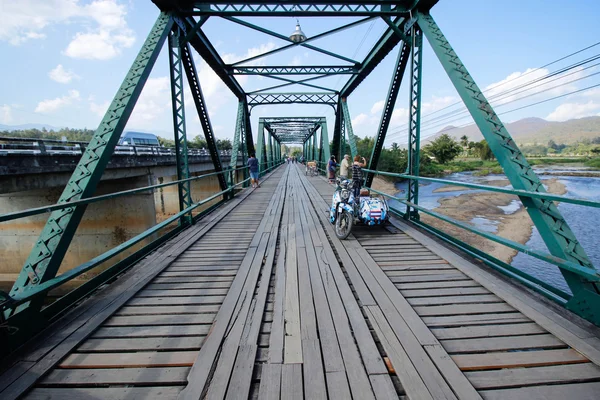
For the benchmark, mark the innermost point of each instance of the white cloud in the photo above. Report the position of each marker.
(99, 109)
(49, 106)
(153, 103)
(568, 111)
(377, 107)
(359, 120)
(25, 20)
(61, 75)
(5, 113)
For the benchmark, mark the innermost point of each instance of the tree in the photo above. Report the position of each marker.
(444, 149)
(197, 143)
(485, 152)
(464, 141)
(224, 144)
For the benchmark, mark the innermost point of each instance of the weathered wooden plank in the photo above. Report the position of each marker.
(188, 285)
(337, 386)
(129, 360)
(475, 319)
(130, 393)
(198, 273)
(399, 271)
(183, 293)
(142, 344)
(150, 331)
(117, 376)
(291, 382)
(383, 387)
(473, 362)
(276, 339)
(162, 301)
(409, 293)
(517, 377)
(157, 310)
(155, 320)
(412, 381)
(454, 276)
(292, 351)
(546, 341)
(193, 279)
(435, 285)
(443, 300)
(577, 391)
(488, 331)
(314, 375)
(270, 382)
(459, 309)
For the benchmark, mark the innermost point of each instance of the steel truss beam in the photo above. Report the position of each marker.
(347, 127)
(388, 109)
(209, 136)
(292, 129)
(45, 258)
(178, 105)
(310, 39)
(553, 228)
(202, 45)
(380, 50)
(336, 145)
(293, 82)
(291, 98)
(248, 130)
(314, 8)
(414, 120)
(238, 135)
(298, 70)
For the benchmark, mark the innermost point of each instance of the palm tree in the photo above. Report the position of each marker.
(464, 141)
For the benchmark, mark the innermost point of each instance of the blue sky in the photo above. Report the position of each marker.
(63, 61)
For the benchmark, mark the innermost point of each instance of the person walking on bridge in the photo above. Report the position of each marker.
(344, 167)
(253, 165)
(357, 175)
(331, 165)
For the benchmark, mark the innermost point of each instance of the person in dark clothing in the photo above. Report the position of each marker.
(253, 164)
(357, 176)
(331, 165)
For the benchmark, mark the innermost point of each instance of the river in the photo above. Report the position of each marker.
(584, 221)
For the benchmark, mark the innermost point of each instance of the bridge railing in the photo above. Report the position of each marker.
(539, 285)
(15, 298)
(38, 146)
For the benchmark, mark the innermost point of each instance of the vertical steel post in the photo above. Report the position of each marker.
(336, 147)
(261, 141)
(414, 120)
(553, 228)
(325, 141)
(179, 130)
(209, 135)
(348, 128)
(388, 109)
(47, 254)
(271, 152)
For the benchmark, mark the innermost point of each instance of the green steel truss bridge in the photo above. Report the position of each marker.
(248, 293)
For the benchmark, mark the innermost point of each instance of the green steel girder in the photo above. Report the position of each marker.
(293, 70)
(248, 130)
(380, 50)
(270, 151)
(310, 39)
(238, 135)
(292, 98)
(179, 129)
(553, 228)
(206, 50)
(296, 9)
(414, 120)
(347, 121)
(209, 136)
(336, 144)
(294, 82)
(287, 39)
(292, 129)
(45, 258)
(388, 109)
(325, 142)
(262, 153)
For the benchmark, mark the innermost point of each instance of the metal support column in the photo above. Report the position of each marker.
(414, 120)
(271, 152)
(348, 128)
(261, 155)
(237, 147)
(553, 228)
(209, 136)
(336, 146)
(386, 115)
(47, 254)
(177, 101)
(248, 131)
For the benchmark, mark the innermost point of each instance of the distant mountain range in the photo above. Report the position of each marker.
(535, 130)
(27, 126)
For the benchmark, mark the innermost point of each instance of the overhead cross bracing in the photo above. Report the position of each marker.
(293, 129)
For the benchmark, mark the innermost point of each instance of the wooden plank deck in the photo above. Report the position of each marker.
(261, 300)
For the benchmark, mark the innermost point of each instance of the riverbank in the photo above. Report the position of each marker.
(383, 185)
(516, 226)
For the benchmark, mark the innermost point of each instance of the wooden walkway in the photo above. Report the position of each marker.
(261, 300)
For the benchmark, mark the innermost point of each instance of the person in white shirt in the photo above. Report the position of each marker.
(345, 166)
